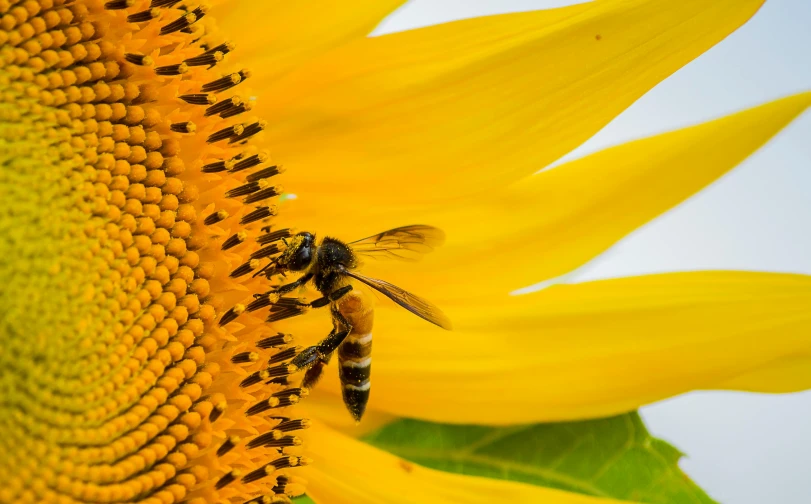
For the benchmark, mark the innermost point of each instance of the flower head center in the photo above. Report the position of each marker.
(129, 184)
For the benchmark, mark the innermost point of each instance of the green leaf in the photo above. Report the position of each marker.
(611, 457)
(303, 499)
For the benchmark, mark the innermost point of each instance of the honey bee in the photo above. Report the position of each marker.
(331, 266)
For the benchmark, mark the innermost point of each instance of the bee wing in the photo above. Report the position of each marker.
(407, 243)
(415, 304)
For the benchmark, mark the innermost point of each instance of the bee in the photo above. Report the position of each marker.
(331, 265)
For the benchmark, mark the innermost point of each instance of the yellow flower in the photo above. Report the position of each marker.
(136, 175)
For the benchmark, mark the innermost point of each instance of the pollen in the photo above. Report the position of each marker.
(135, 199)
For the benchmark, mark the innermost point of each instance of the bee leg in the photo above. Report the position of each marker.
(338, 294)
(314, 374)
(311, 355)
(306, 359)
(334, 296)
(283, 289)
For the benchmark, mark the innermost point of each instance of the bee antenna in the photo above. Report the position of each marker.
(269, 269)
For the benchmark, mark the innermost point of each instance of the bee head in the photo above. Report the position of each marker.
(300, 251)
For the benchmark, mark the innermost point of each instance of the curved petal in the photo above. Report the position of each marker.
(551, 223)
(290, 33)
(457, 108)
(586, 350)
(348, 471)
(790, 374)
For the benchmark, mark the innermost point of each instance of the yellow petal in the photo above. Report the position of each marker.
(553, 222)
(455, 108)
(347, 471)
(331, 410)
(284, 34)
(586, 350)
(791, 374)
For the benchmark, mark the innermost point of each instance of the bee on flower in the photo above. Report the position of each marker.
(172, 172)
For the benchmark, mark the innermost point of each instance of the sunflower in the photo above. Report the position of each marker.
(140, 143)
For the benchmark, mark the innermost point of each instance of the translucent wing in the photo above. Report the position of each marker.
(415, 304)
(407, 243)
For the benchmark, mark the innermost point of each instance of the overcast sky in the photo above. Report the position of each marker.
(743, 448)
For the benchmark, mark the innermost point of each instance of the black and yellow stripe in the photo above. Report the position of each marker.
(355, 369)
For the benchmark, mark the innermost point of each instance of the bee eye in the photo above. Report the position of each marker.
(302, 256)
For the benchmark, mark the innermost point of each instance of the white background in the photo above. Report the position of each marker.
(742, 448)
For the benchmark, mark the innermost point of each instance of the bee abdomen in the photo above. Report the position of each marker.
(355, 368)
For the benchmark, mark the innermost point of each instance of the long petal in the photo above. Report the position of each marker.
(790, 374)
(285, 34)
(586, 350)
(457, 108)
(553, 222)
(351, 472)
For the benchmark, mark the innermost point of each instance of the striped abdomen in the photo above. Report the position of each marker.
(355, 353)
